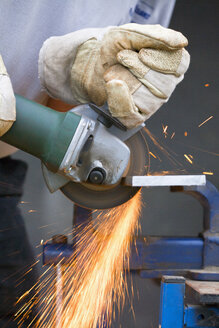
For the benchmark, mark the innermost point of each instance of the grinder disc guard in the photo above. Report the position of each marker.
(103, 197)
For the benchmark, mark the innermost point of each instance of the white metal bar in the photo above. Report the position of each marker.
(165, 180)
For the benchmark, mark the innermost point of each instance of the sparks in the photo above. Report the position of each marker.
(162, 148)
(185, 133)
(208, 173)
(97, 268)
(207, 85)
(152, 154)
(173, 134)
(209, 118)
(188, 159)
(165, 130)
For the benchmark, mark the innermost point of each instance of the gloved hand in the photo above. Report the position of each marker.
(135, 68)
(7, 100)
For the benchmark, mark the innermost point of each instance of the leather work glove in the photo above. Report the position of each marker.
(7, 100)
(135, 68)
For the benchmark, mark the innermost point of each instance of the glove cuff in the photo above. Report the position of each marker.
(7, 100)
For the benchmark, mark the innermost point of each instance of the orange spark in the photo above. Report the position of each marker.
(173, 134)
(185, 133)
(165, 130)
(188, 159)
(208, 173)
(209, 118)
(152, 154)
(94, 281)
(169, 156)
(207, 85)
(100, 268)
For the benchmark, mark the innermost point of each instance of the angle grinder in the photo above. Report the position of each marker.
(85, 152)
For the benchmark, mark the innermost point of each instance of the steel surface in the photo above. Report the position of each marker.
(165, 180)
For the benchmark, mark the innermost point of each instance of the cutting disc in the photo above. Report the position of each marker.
(103, 197)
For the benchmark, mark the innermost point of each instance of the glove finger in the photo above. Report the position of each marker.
(169, 62)
(130, 59)
(147, 102)
(137, 36)
(161, 85)
(156, 35)
(121, 104)
(157, 87)
(119, 72)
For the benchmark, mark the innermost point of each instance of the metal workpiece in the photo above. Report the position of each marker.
(165, 180)
(95, 155)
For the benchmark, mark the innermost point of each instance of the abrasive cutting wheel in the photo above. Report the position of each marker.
(102, 197)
